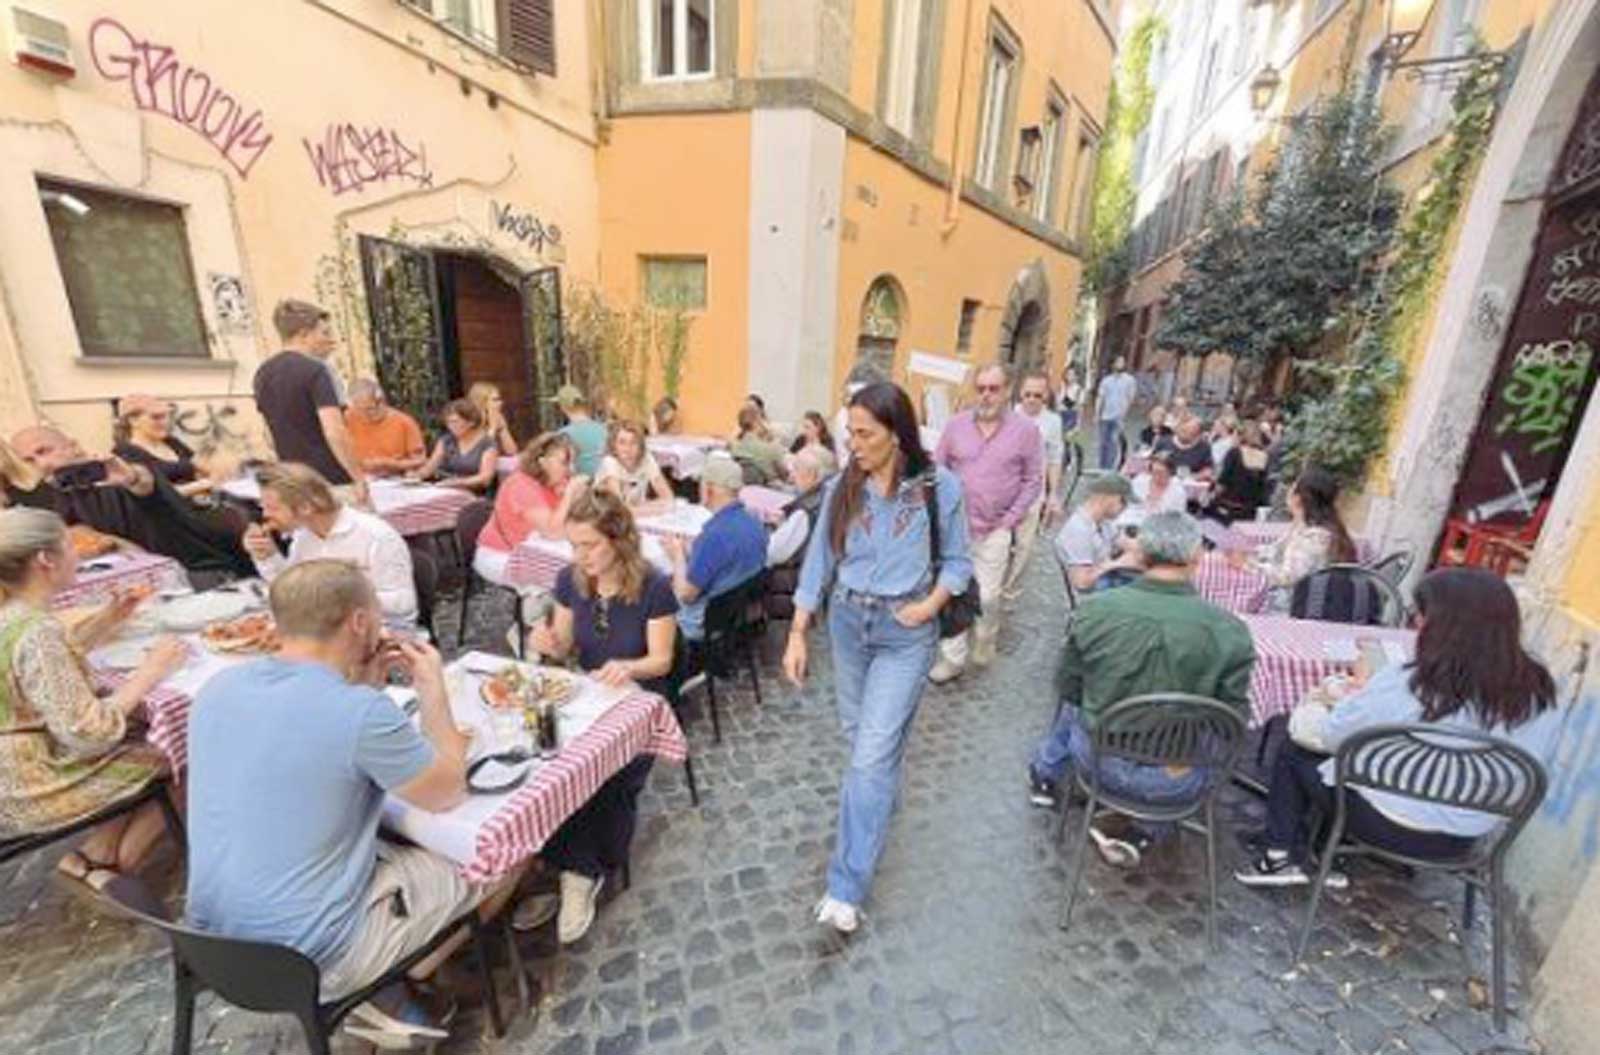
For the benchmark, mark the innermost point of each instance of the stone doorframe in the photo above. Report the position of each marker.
(1031, 287)
(1480, 291)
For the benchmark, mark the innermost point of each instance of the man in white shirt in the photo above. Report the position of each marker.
(1117, 390)
(1087, 540)
(1034, 405)
(296, 500)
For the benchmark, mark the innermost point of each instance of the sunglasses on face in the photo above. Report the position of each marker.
(990, 388)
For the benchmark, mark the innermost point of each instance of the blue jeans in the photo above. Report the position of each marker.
(1070, 744)
(1109, 448)
(879, 669)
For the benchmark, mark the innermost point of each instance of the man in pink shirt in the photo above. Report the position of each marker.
(999, 457)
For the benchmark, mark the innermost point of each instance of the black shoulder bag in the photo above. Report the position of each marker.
(962, 610)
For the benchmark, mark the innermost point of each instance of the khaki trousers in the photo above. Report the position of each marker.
(990, 555)
(1027, 533)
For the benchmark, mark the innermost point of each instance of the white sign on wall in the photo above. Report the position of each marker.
(941, 367)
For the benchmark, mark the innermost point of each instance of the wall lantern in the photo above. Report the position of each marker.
(1263, 87)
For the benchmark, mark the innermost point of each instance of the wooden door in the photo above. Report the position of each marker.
(489, 341)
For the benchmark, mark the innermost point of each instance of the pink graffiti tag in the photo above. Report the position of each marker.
(349, 158)
(161, 83)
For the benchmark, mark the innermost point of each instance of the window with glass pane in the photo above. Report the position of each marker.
(1050, 150)
(125, 263)
(997, 85)
(677, 283)
(900, 101)
(677, 38)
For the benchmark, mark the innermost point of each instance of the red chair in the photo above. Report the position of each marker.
(1482, 545)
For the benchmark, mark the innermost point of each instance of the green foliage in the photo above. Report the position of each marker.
(1127, 112)
(1344, 424)
(609, 350)
(1277, 277)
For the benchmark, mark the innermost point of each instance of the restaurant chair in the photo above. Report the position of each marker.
(1073, 469)
(733, 626)
(469, 524)
(425, 580)
(158, 791)
(1395, 566)
(1463, 769)
(1348, 593)
(680, 666)
(275, 979)
(1161, 729)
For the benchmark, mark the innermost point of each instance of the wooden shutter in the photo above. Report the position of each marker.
(528, 33)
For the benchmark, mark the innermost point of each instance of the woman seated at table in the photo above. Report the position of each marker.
(143, 434)
(64, 754)
(816, 437)
(533, 501)
(630, 471)
(615, 613)
(664, 417)
(1158, 489)
(1243, 485)
(465, 455)
(487, 399)
(1316, 539)
(1470, 673)
(1157, 429)
(757, 453)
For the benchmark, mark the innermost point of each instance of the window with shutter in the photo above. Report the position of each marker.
(528, 33)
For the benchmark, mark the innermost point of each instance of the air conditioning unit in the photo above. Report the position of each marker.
(41, 43)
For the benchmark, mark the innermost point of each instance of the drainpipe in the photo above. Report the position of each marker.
(952, 205)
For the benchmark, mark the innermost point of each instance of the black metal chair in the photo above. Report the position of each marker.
(680, 666)
(469, 524)
(1463, 769)
(1348, 593)
(159, 791)
(734, 621)
(1162, 729)
(1394, 566)
(1072, 471)
(425, 580)
(275, 979)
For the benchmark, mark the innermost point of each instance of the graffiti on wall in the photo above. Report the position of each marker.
(349, 158)
(229, 302)
(524, 226)
(159, 82)
(1541, 396)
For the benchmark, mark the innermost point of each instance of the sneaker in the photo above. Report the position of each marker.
(1119, 851)
(393, 1019)
(579, 895)
(944, 672)
(1276, 869)
(983, 654)
(534, 912)
(841, 916)
(1042, 792)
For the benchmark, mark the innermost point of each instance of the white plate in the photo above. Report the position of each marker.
(123, 655)
(199, 610)
(1341, 650)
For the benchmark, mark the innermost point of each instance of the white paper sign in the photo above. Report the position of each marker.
(942, 367)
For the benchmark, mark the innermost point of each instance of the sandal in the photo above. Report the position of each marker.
(91, 873)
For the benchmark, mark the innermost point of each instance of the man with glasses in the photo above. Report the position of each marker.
(1034, 405)
(999, 457)
(386, 441)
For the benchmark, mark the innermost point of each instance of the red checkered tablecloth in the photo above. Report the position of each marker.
(1250, 534)
(682, 456)
(1239, 590)
(1292, 658)
(420, 510)
(766, 503)
(537, 564)
(99, 577)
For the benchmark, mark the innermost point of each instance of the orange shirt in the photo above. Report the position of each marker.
(396, 436)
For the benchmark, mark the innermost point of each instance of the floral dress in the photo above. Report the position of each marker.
(1303, 550)
(62, 755)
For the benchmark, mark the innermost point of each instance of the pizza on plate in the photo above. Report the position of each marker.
(255, 632)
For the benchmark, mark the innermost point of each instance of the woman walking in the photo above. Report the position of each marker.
(871, 551)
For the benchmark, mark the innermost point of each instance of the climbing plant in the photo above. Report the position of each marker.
(1344, 423)
(609, 350)
(1114, 194)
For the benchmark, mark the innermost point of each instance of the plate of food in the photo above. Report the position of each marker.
(200, 610)
(255, 633)
(89, 543)
(509, 686)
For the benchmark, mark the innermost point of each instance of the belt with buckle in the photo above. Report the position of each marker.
(876, 600)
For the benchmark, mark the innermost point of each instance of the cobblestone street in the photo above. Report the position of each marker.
(712, 950)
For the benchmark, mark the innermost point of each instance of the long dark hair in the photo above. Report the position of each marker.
(1470, 654)
(1319, 494)
(824, 434)
(890, 407)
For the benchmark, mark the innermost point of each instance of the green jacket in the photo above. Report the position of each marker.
(1154, 636)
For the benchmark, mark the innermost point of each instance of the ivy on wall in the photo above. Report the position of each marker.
(1344, 425)
(1128, 109)
(610, 349)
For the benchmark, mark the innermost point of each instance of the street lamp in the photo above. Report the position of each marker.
(1407, 20)
(1263, 87)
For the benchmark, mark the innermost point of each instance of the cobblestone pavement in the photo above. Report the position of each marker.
(712, 951)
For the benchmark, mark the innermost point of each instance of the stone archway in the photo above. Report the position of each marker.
(883, 313)
(1025, 325)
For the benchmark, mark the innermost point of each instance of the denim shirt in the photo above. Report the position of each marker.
(886, 547)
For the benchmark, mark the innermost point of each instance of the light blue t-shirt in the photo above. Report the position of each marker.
(288, 765)
(588, 438)
(1117, 393)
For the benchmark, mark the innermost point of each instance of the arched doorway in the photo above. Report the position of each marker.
(1025, 324)
(882, 321)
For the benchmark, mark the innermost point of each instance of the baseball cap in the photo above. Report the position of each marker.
(722, 471)
(567, 396)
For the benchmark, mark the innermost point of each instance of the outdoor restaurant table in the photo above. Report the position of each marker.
(1294, 655)
(683, 456)
(99, 577)
(411, 509)
(1241, 591)
(1253, 534)
(766, 503)
(538, 561)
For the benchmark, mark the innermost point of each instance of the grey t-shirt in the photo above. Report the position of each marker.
(1117, 393)
(1083, 542)
(288, 765)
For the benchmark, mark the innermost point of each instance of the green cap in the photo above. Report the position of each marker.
(1110, 484)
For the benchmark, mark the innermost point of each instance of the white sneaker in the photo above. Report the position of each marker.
(578, 896)
(535, 912)
(983, 654)
(839, 915)
(944, 672)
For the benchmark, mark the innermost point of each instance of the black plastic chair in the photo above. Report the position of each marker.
(425, 580)
(274, 979)
(735, 619)
(1348, 593)
(1394, 566)
(469, 525)
(159, 791)
(1162, 729)
(1463, 769)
